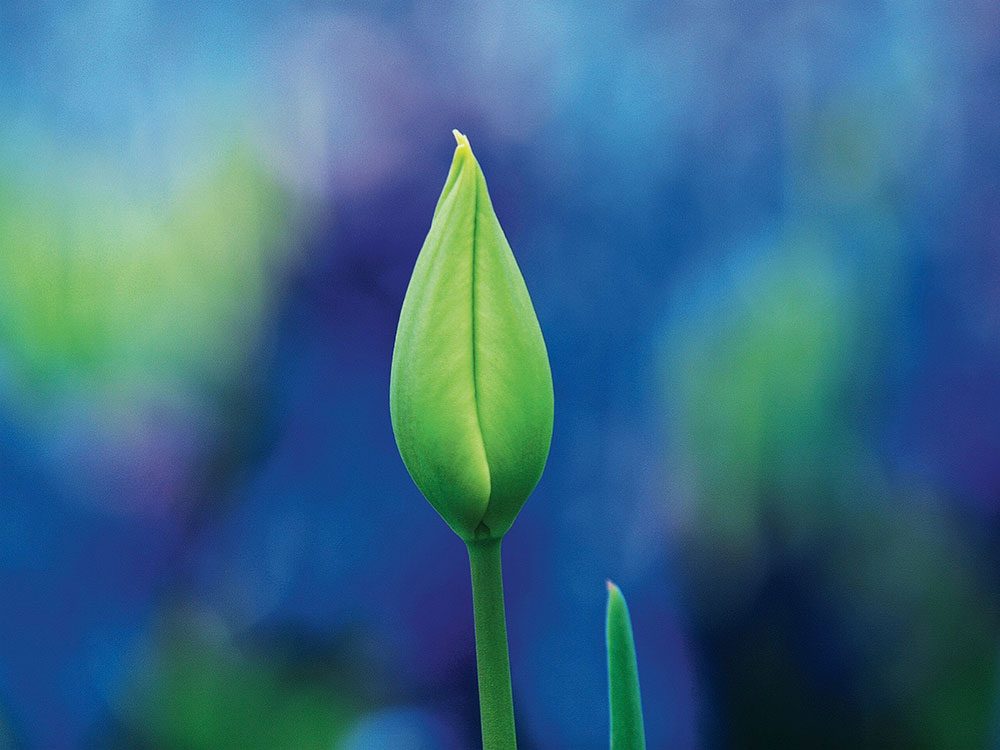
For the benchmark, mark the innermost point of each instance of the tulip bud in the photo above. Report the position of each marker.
(470, 392)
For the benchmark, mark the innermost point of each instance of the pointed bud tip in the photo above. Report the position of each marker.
(611, 587)
(461, 140)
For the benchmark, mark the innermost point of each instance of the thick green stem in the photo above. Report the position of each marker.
(496, 703)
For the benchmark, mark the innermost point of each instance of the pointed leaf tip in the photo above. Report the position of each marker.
(627, 731)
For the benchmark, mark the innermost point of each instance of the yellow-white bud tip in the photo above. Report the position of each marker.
(461, 140)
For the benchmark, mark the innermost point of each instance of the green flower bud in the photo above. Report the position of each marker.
(470, 391)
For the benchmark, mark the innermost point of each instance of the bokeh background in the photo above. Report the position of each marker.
(763, 242)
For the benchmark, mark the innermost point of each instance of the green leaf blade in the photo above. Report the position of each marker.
(627, 731)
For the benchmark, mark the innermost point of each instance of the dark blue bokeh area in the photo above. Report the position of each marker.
(762, 242)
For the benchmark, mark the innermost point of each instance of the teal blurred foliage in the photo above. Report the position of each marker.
(762, 242)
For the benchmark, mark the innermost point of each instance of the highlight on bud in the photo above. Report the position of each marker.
(470, 392)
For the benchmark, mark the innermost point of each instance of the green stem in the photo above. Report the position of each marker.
(496, 702)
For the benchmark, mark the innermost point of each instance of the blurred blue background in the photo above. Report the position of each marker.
(762, 241)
